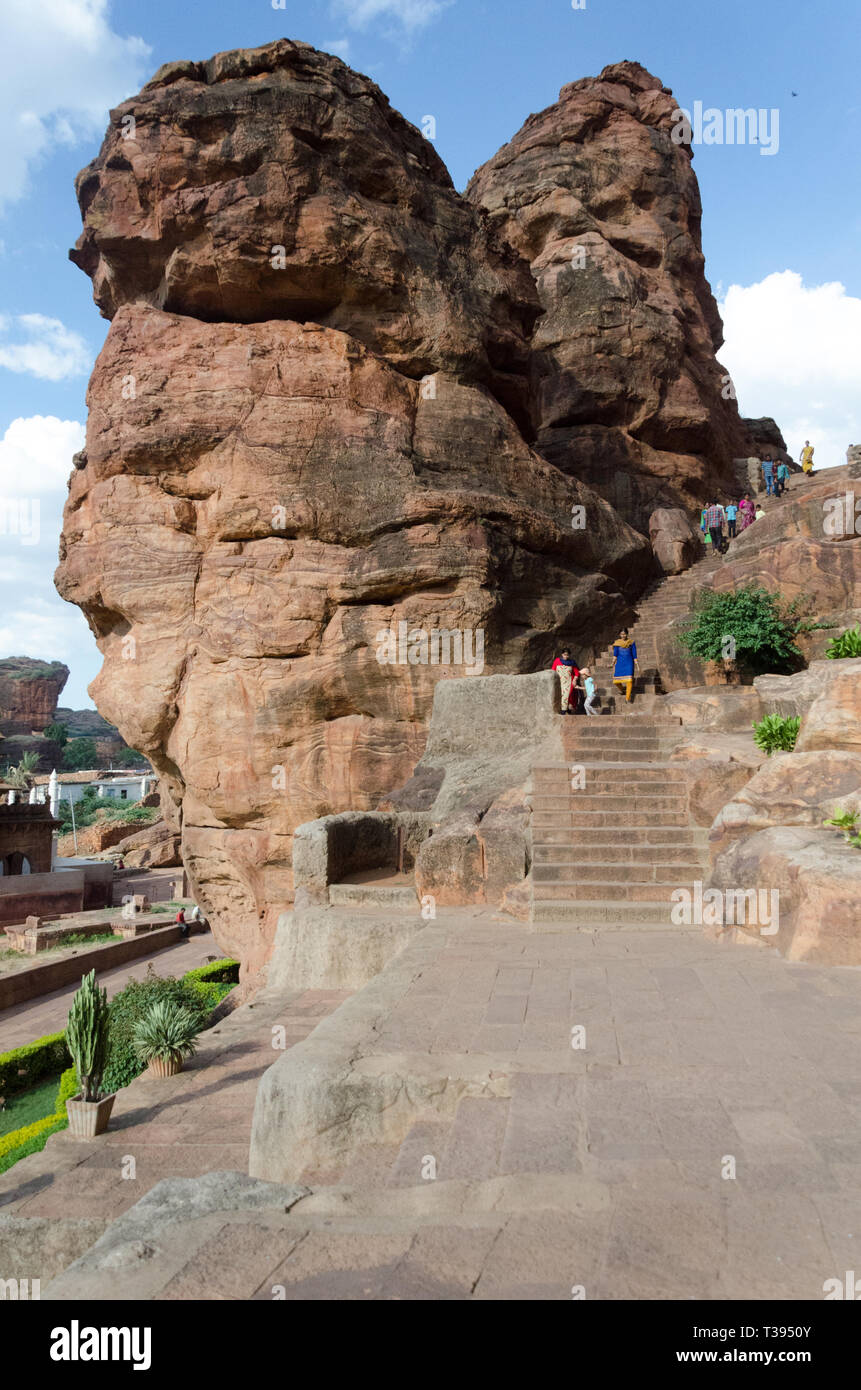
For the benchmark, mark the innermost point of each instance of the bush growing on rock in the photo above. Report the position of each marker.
(774, 734)
(762, 628)
(847, 644)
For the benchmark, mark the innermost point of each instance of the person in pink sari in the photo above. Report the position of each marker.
(746, 513)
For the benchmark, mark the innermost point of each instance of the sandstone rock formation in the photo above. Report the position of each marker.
(626, 391)
(29, 690)
(677, 543)
(818, 878)
(287, 458)
(791, 789)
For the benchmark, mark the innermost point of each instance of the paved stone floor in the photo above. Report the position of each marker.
(35, 1018)
(182, 1126)
(704, 1143)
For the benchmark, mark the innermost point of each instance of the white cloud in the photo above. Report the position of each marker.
(36, 455)
(63, 68)
(46, 348)
(407, 16)
(340, 47)
(794, 352)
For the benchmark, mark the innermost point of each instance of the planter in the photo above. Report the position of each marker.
(87, 1118)
(164, 1066)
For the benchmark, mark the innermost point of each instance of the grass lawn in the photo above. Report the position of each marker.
(29, 1106)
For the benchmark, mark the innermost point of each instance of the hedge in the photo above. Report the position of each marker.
(30, 1139)
(24, 1066)
(220, 972)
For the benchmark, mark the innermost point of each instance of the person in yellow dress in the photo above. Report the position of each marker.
(807, 457)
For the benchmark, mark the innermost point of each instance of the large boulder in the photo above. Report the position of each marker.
(816, 878)
(834, 718)
(730, 708)
(677, 543)
(276, 183)
(604, 204)
(791, 789)
(827, 698)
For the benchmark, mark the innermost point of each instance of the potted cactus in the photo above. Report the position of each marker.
(86, 1039)
(165, 1036)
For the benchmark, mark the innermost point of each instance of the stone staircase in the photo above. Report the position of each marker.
(611, 831)
(668, 598)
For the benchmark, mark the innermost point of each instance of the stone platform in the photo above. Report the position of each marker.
(439, 1137)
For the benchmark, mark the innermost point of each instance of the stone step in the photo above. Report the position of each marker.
(558, 775)
(618, 754)
(587, 820)
(371, 895)
(617, 854)
(581, 891)
(621, 916)
(677, 872)
(636, 836)
(635, 800)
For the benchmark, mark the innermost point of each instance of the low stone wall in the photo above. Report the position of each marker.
(327, 850)
(50, 895)
(44, 978)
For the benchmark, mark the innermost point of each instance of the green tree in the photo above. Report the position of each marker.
(80, 753)
(57, 733)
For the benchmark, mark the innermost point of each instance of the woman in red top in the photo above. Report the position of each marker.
(567, 673)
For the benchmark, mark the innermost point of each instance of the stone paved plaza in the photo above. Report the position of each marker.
(603, 1167)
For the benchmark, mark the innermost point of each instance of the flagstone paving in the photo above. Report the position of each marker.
(703, 1143)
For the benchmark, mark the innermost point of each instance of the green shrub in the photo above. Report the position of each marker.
(224, 971)
(57, 733)
(775, 734)
(847, 821)
(31, 1139)
(847, 644)
(762, 626)
(210, 993)
(24, 1066)
(128, 1008)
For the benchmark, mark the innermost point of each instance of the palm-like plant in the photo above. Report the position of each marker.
(21, 776)
(166, 1033)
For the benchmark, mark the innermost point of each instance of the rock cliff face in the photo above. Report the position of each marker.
(29, 691)
(293, 452)
(626, 392)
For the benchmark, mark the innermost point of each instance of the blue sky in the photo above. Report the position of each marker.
(780, 232)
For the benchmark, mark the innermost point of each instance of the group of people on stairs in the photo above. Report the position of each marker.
(575, 681)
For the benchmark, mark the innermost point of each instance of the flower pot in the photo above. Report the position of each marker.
(87, 1118)
(164, 1066)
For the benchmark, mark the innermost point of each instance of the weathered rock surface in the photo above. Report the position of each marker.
(730, 708)
(158, 846)
(309, 427)
(677, 543)
(826, 697)
(818, 877)
(271, 496)
(29, 690)
(276, 183)
(791, 789)
(627, 393)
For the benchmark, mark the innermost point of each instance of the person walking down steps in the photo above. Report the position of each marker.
(589, 691)
(731, 518)
(564, 668)
(626, 664)
(714, 525)
(768, 475)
